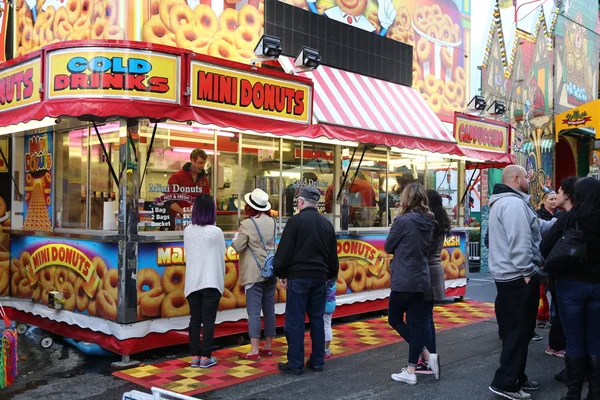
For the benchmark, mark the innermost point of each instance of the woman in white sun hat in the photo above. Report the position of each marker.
(254, 239)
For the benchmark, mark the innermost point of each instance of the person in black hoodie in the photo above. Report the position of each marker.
(578, 290)
(305, 259)
(409, 241)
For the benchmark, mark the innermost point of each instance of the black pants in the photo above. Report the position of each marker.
(516, 312)
(413, 331)
(556, 340)
(203, 313)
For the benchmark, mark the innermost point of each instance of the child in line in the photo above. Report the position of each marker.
(329, 309)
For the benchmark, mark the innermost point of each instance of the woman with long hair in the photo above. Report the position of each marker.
(204, 277)
(578, 290)
(254, 238)
(409, 241)
(436, 272)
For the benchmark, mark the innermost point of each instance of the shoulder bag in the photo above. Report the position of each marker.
(266, 270)
(569, 251)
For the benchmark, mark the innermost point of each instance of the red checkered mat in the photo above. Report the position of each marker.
(178, 376)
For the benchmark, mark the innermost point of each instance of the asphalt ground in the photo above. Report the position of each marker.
(469, 356)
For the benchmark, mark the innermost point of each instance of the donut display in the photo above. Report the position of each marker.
(173, 278)
(106, 305)
(71, 20)
(174, 305)
(227, 301)
(231, 34)
(151, 302)
(231, 275)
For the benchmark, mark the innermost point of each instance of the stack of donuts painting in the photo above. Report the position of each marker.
(453, 262)
(358, 275)
(73, 20)
(227, 29)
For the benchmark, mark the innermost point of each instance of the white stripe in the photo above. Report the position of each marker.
(399, 106)
(429, 117)
(384, 107)
(341, 101)
(326, 102)
(419, 132)
(371, 103)
(366, 102)
(342, 82)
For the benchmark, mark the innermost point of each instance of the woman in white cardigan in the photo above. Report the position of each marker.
(260, 292)
(204, 277)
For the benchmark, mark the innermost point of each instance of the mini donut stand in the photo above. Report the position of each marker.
(119, 259)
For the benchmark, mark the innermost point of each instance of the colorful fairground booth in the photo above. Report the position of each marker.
(97, 129)
(583, 122)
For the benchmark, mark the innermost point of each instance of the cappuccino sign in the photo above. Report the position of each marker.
(480, 133)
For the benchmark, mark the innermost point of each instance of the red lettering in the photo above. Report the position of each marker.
(79, 81)
(136, 82)
(279, 99)
(54, 253)
(245, 93)
(225, 89)
(299, 102)
(289, 96)
(95, 80)
(61, 254)
(28, 84)
(204, 85)
(69, 256)
(61, 82)
(346, 247)
(18, 84)
(258, 95)
(158, 84)
(86, 268)
(269, 97)
(354, 248)
(112, 81)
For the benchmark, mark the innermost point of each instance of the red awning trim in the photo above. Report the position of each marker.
(489, 159)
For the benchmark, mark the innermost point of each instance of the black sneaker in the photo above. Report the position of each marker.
(531, 386)
(560, 376)
(535, 337)
(541, 324)
(510, 395)
(286, 369)
(422, 368)
(310, 365)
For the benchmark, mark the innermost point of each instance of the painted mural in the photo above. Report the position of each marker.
(439, 31)
(577, 48)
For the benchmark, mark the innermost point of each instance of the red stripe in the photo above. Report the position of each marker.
(411, 110)
(353, 101)
(364, 103)
(389, 109)
(326, 92)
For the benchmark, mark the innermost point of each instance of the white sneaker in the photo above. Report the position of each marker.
(405, 377)
(434, 365)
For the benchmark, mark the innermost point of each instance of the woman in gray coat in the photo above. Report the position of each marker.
(436, 273)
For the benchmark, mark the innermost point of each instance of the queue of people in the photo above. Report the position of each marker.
(519, 240)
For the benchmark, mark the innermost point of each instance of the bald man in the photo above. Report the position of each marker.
(514, 256)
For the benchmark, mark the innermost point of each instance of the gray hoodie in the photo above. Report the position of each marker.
(409, 241)
(514, 235)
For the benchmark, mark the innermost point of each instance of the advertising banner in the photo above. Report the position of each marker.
(49, 21)
(4, 10)
(585, 116)
(481, 133)
(219, 28)
(246, 93)
(84, 271)
(20, 85)
(438, 31)
(364, 266)
(101, 72)
(39, 167)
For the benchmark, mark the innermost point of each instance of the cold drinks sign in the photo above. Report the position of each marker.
(247, 93)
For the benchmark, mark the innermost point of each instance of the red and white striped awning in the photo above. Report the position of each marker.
(352, 100)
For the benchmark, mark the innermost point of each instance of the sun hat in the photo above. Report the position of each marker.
(258, 199)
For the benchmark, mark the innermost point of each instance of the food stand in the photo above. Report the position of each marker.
(100, 127)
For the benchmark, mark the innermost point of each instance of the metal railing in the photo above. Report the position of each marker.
(474, 251)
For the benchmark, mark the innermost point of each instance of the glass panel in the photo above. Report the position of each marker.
(102, 184)
(291, 175)
(403, 170)
(71, 178)
(443, 177)
(170, 173)
(229, 175)
(317, 170)
(365, 186)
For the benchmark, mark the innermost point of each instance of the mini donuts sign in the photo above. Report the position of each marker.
(247, 93)
(101, 73)
(481, 133)
(20, 85)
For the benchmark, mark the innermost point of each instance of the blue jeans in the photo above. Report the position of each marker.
(413, 330)
(305, 297)
(261, 296)
(579, 308)
(429, 331)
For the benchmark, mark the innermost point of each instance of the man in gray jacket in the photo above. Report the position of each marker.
(514, 239)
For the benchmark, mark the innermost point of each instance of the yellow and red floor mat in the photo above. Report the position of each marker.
(177, 375)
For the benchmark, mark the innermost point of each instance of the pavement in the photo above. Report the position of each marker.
(469, 356)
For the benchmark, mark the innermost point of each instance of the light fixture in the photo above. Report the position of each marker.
(28, 126)
(307, 60)
(192, 129)
(499, 108)
(479, 101)
(267, 48)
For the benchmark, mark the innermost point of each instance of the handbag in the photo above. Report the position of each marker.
(569, 251)
(266, 270)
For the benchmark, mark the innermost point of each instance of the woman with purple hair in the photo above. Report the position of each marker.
(204, 277)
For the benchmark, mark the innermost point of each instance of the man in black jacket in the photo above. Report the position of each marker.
(305, 259)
